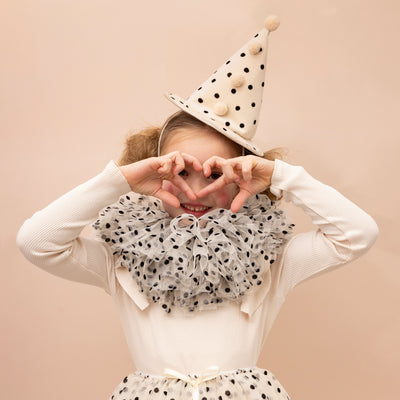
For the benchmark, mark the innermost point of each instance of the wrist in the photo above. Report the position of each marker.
(124, 172)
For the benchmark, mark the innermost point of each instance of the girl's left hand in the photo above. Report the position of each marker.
(251, 173)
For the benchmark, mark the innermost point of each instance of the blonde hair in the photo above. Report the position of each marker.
(144, 143)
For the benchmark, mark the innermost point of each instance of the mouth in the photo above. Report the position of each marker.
(195, 209)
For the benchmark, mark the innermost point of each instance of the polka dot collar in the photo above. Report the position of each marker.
(194, 263)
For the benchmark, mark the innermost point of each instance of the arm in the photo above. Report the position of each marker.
(344, 231)
(50, 238)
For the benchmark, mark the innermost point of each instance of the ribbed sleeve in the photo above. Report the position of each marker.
(344, 231)
(50, 238)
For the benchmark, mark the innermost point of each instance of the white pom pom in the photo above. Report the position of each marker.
(272, 23)
(220, 108)
(237, 80)
(255, 47)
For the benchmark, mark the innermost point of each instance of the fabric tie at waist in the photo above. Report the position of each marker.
(205, 375)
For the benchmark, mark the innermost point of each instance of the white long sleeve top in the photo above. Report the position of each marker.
(231, 336)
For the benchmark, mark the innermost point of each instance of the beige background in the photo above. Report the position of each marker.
(77, 76)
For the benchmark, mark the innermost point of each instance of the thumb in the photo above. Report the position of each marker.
(167, 197)
(239, 200)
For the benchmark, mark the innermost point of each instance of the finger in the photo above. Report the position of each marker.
(165, 166)
(181, 184)
(179, 164)
(239, 200)
(193, 161)
(246, 170)
(212, 162)
(168, 198)
(227, 170)
(218, 184)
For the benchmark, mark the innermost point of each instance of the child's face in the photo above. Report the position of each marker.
(202, 144)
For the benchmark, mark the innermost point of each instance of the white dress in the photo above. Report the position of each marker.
(171, 350)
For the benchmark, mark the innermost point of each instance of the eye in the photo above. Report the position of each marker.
(183, 173)
(215, 175)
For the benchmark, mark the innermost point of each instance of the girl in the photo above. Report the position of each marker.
(193, 248)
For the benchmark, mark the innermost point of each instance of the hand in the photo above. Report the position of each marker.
(252, 174)
(146, 176)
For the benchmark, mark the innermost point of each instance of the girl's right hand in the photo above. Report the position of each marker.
(146, 176)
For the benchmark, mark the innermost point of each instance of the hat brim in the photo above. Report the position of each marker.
(214, 123)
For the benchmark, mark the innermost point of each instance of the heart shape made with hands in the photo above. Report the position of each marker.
(252, 174)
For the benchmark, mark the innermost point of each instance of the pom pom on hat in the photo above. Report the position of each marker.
(272, 23)
(220, 108)
(237, 80)
(255, 47)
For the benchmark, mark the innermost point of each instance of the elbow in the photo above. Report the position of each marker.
(40, 248)
(367, 236)
(358, 240)
(31, 244)
(371, 233)
(22, 240)
(25, 243)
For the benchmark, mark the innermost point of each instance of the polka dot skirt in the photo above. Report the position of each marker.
(252, 383)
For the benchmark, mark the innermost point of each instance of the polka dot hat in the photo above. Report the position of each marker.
(230, 99)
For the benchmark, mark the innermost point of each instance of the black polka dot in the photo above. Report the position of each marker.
(237, 108)
(233, 91)
(242, 55)
(216, 95)
(229, 74)
(246, 70)
(250, 87)
(200, 100)
(228, 62)
(227, 123)
(253, 104)
(262, 84)
(213, 80)
(262, 66)
(205, 112)
(199, 88)
(255, 121)
(242, 125)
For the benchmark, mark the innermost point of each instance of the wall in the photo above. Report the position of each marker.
(76, 77)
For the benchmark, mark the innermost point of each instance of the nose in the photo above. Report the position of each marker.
(197, 181)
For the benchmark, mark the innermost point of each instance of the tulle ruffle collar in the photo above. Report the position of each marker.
(194, 263)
